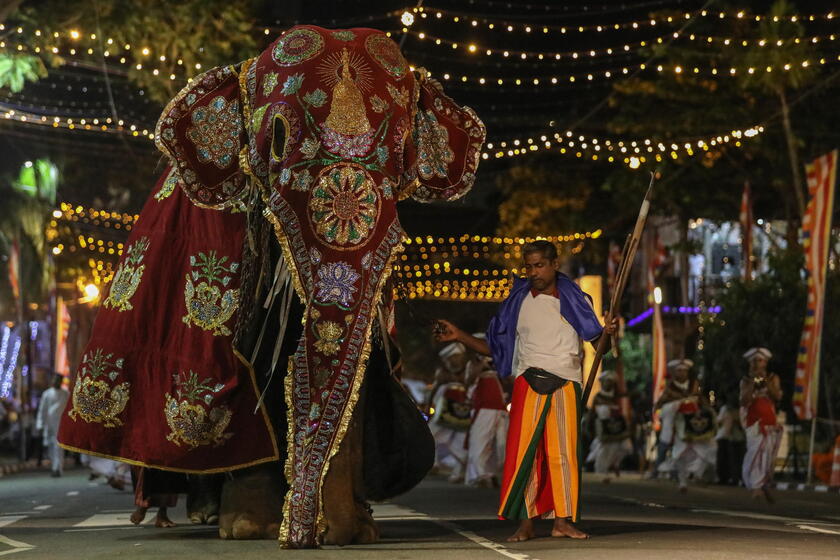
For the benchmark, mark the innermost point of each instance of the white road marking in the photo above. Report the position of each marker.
(819, 529)
(73, 493)
(42, 508)
(751, 515)
(101, 529)
(110, 520)
(486, 543)
(393, 512)
(9, 519)
(803, 524)
(17, 546)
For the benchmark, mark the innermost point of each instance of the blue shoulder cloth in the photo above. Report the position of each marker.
(575, 307)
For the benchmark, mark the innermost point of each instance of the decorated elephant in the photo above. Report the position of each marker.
(246, 329)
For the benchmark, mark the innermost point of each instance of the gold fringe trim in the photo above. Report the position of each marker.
(170, 469)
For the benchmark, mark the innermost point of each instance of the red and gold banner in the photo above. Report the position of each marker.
(816, 230)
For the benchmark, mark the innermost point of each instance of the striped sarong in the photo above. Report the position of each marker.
(542, 462)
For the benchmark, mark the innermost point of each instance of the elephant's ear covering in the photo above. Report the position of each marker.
(202, 132)
(444, 149)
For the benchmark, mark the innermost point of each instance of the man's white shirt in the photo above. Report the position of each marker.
(546, 340)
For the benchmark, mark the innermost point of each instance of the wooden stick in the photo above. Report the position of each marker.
(626, 265)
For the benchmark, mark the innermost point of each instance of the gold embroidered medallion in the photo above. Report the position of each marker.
(191, 419)
(209, 304)
(95, 397)
(127, 277)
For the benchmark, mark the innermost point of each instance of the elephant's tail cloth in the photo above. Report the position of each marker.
(542, 462)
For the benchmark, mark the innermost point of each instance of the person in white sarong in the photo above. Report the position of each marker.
(694, 450)
(488, 431)
(612, 433)
(50, 409)
(450, 413)
(760, 393)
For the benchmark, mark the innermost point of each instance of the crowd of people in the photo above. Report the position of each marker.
(734, 441)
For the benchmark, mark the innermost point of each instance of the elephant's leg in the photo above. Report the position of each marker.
(252, 503)
(345, 510)
(204, 497)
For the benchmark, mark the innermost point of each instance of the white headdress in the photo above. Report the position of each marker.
(758, 351)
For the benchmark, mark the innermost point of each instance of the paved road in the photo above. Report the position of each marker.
(70, 517)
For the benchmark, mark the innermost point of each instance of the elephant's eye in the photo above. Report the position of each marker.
(280, 137)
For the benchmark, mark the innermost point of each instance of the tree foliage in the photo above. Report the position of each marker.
(17, 69)
(769, 311)
(183, 38)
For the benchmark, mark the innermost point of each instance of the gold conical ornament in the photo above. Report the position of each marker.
(347, 110)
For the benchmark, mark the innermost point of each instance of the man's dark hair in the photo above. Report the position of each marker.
(545, 248)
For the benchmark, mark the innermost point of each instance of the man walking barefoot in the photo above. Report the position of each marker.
(537, 337)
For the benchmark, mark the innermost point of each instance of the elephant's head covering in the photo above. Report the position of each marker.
(327, 129)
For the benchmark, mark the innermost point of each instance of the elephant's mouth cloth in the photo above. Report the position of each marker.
(327, 130)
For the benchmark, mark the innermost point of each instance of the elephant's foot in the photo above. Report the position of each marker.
(350, 525)
(367, 531)
(204, 498)
(245, 527)
(252, 503)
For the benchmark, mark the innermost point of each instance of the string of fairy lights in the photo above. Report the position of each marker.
(428, 268)
(517, 26)
(76, 42)
(630, 152)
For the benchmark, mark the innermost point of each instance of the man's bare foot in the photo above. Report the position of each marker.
(606, 480)
(564, 528)
(162, 520)
(524, 532)
(683, 489)
(757, 493)
(138, 515)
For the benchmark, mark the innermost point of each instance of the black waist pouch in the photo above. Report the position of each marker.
(543, 382)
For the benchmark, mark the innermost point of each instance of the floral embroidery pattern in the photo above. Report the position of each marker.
(127, 277)
(95, 397)
(348, 146)
(329, 334)
(309, 148)
(302, 181)
(191, 419)
(433, 151)
(387, 54)
(337, 284)
(216, 132)
(400, 97)
(269, 83)
(344, 205)
(296, 46)
(168, 186)
(316, 98)
(378, 104)
(208, 306)
(292, 84)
